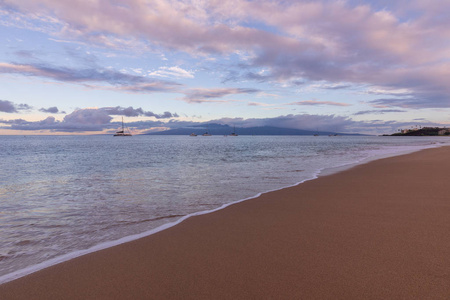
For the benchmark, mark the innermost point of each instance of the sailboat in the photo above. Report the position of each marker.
(122, 132)
(317, 134)
(234, 132)
(206, 133)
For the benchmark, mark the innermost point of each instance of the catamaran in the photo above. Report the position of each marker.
(122, 132)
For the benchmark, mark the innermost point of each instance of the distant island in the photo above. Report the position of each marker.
(425, 131)
(219, 129)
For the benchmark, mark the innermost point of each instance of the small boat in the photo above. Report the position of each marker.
(122, 132)
(192, 134)
(206, 132)
(234, 132)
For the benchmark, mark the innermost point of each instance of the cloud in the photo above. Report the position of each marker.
(379, 112)
(88, 120)
(23, 106)
(303, 121)
(10, 107)
(81, 120)
(374, 90)
(175, 24)
(265, 106)
(97, 120)
(15, 122)
(87, 76)
(7, 106)
(300, 121)
(313, 122)
(24, 54)
(315, 102)
(380, 43)
(121, 111)
(331, 123)
(174, 72)
(49, 123)
(165, 115)
(88, 117)
(212, 95)
(52, 110)
(134, 112)
(258, 104)
(335, 86)
(438, 101)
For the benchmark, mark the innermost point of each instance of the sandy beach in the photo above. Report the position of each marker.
(377, 231)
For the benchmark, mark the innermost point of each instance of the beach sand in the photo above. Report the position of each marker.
(377, 231)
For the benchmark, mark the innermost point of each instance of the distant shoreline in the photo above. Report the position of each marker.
(218, 129)
(425, 131)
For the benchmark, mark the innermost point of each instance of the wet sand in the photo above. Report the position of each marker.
(377, 231)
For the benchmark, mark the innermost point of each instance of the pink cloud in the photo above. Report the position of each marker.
(213, 95)
(257, 104)
(96, 78)
(399, 47)
(315, 102)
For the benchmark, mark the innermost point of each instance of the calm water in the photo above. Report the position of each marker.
(60, 194)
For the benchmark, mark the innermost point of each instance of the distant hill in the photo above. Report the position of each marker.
(219, 129)
(425, 131)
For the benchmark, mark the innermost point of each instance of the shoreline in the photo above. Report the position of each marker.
(108, 244)
(235, 208)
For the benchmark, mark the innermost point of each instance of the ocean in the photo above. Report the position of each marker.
(64, 196)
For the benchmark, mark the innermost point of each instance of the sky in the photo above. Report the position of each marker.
(80, 66)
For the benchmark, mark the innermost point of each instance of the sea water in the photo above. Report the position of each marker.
(63, 196)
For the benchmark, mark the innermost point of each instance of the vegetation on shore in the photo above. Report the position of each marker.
(425, 131)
